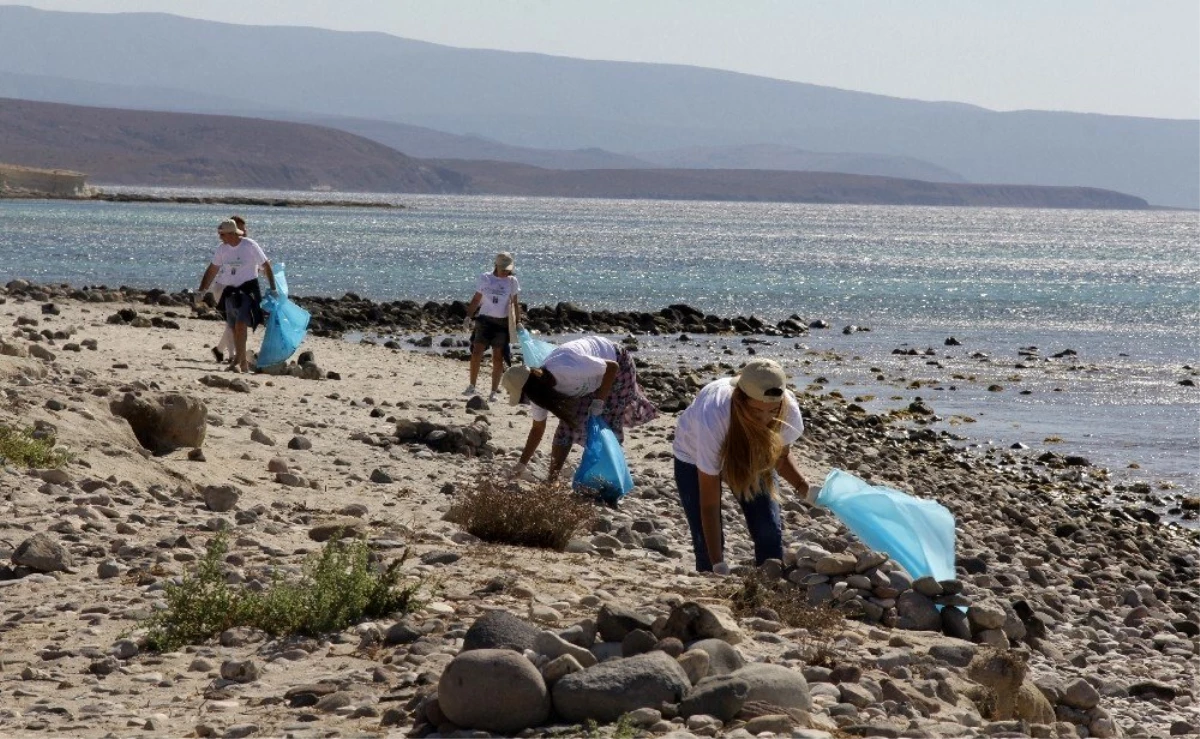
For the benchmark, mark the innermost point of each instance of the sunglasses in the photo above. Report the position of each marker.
(773, 392)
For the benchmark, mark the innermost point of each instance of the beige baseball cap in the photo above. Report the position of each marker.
(229, 226)
(504, 261)
(513, 381)
(763, 380)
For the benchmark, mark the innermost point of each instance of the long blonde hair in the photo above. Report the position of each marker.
(751, 449)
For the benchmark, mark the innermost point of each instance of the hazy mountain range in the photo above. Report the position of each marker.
(173, 149)
(574, 114)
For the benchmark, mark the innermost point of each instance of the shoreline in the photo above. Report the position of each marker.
(1112, 611)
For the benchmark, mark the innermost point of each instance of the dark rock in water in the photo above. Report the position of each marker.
(951, 341)
(819, 323)
(1074, 460)
(500, 630)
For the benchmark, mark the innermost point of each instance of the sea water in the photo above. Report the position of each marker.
(1118, 288)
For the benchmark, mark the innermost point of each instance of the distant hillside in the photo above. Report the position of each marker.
(545, 102)
(181, 149)
(426, 143)
(186, 149)
(773, 156)
(497, 178)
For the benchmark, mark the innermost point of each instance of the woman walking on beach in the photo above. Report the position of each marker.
(226, 345)
(496, 293)
(588, 376)
(738, 429)
(235, 269)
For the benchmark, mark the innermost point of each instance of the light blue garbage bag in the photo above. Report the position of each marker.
(533, 351)
(603, 469)
(917, 533)
(286, 324)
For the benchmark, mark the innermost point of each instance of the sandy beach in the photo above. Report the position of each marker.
(1106, 630)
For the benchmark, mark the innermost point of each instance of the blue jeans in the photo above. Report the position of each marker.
(761, 512)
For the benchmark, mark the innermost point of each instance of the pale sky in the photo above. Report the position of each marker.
(1122, 57)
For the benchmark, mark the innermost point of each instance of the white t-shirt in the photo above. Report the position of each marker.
(497, 292)
(578, 368)
(701, 428)
(238, 263)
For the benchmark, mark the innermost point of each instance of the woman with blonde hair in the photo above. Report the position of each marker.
(738, 430)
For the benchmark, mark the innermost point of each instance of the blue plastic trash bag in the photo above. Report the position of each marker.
(533, 351)
(603, 468)
(917, 533)
(286, 324)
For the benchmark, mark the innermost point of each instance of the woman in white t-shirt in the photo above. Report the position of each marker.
(496, 293)
(738, 429)
(588, 376)
(235, 267)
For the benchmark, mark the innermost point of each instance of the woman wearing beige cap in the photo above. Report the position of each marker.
(738, 429)
(588, 376)
(496, 293)
(235, 267)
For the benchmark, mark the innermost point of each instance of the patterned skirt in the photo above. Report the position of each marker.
(627, 406)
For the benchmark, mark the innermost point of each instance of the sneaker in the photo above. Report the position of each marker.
(494, 396)
(470, 390)
(218, 354)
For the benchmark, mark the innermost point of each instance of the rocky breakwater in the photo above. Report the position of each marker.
(350, 312)
(333, 316)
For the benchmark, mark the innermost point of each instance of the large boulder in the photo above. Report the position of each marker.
(775, 684)
(722, 657)
(692, 621)
(604, 692)
(615, 621)
(721, 696)
(495, 690)
(164, 423)
(42, 554)
(500, 630)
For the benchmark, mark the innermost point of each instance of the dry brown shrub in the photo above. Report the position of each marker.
(505, 511)
(757, 591)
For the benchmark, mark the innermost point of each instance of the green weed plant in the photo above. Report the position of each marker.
(26, 448)
(339, 587)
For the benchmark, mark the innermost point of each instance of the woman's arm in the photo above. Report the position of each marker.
(610, 376)
(209, 275)
(476, 299)
(270, 274)
(787, 469)
(516, 304)
(532, 440)
(710, 515)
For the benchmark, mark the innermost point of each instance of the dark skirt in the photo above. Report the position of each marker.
(242, 304)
